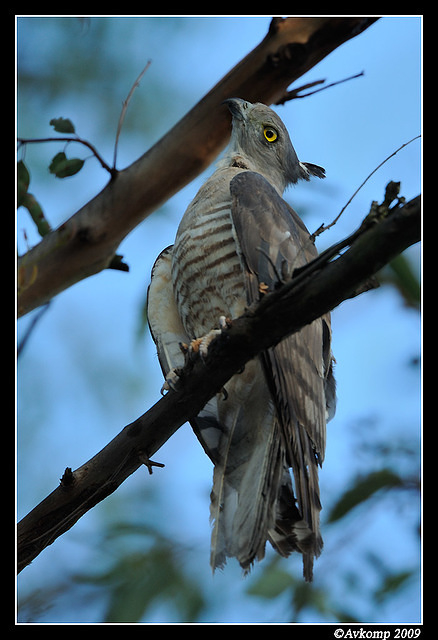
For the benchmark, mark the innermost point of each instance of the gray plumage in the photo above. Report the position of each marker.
(238, 237)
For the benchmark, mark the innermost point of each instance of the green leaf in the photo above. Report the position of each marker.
(304, 596)
(37, 214)
(271, 584)
(57, 161)
(71, 167)
(23, 180)
(63, 167)
(406, 280)
(391, 584)
(137, 580)
(62, 125)
(363, 489)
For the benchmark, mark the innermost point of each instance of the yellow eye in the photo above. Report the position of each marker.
(270, 134)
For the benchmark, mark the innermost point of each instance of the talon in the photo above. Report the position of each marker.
(225, 322)
(207, 340)
(164, 388)
(183, 347)
(195, 345)
(171, 381)
(263, 288)
(201, 345)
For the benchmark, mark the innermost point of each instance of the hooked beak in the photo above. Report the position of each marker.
(237, 107)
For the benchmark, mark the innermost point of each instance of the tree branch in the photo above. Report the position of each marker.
(86, 243)
(296, 94)
(316, 289)
(69, 139)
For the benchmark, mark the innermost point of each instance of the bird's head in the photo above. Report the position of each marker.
(260, 141)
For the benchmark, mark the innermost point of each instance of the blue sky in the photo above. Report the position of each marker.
(84, 374)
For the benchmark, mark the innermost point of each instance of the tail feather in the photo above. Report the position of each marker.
(243, 495)
(252, 499)
(292, 533)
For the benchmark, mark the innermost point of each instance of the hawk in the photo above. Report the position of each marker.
(238, 239)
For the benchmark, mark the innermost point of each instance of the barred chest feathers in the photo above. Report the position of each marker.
(207, 272)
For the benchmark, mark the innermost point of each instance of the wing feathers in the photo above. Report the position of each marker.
(164, 322)
(273, 242)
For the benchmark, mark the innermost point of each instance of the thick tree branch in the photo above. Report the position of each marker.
(86, 243)
(315, 290)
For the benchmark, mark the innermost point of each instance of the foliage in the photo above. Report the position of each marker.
(137, 580)
(63, 167)
(28, 200)
(363, 489)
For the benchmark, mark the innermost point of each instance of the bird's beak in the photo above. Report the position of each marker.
(237, 106)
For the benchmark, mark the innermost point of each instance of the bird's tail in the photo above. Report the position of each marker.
(252, 500)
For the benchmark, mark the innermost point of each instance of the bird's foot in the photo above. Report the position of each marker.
(197, 347)
(201, 345)
(171, 380)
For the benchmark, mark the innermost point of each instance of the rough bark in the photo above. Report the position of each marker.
(86, 243)
(337, 274)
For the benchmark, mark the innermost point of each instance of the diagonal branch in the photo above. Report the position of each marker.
(318, 288)
(86, 243)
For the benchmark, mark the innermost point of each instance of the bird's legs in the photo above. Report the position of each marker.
(201, 345)
(198, 346)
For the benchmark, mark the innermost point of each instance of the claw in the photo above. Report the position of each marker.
(171, 381)
(183, 347)
(206, 340)
(225, 322)
(195, 345)
(198, 346)
(201, 345)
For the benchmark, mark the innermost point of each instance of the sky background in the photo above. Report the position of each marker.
(88, 369)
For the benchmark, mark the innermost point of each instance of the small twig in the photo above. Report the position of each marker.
(31, 327)
(67, 479)
(144, 459)
(70, 139)
(124, 109)
(118, 264)
(324, 227)
(293, 94)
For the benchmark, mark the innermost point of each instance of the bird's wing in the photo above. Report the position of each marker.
(163, 317)
(273, 241)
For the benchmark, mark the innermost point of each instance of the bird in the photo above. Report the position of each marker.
(266, 435)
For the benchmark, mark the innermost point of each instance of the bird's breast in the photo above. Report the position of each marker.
(206, 268)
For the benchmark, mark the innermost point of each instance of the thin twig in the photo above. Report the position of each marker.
(69, 139)
(31, 327)
(293, 94)
(124, 109)
(323, 227)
